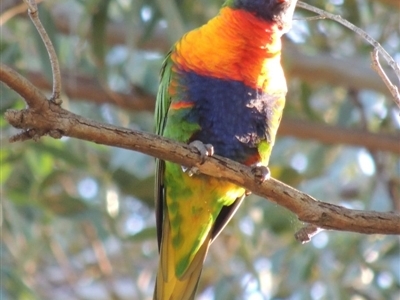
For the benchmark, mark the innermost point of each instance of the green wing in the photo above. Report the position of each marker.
(162, 104)
(163, 98)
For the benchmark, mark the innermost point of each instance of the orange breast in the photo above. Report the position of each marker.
(234, 45)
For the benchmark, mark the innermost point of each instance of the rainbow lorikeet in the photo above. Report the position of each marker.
(221, 84)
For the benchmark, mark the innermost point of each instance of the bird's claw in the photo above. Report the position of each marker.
(261, 173)
(204, 150)
(190, 171)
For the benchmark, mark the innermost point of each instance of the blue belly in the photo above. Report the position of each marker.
(233, 117)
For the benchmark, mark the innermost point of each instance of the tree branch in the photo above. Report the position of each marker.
(32, 96)
(53, 118)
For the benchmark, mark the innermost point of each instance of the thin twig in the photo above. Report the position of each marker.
(377, 47)
(55, 67)
(315, 18)
(378, 69)
(29, 134)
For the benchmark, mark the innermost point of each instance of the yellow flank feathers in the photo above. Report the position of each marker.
(170, 287)
(193, 212)
(187, 231)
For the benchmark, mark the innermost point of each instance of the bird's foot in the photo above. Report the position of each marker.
(261, 174)
(205, 150)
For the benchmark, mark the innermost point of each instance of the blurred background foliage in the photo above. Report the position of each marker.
(77, 218)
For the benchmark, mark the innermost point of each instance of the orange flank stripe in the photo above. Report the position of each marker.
(252, 160)
(181, 105)
(227, 43)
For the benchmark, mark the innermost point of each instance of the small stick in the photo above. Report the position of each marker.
(55, 67)
(378, 69)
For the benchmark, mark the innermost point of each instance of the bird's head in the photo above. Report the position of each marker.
(277, 11)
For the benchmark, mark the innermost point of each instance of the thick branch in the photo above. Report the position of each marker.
(53, 118)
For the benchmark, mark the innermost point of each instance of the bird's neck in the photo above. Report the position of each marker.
(243, 26)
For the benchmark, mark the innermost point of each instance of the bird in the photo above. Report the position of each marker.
(222, 91)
